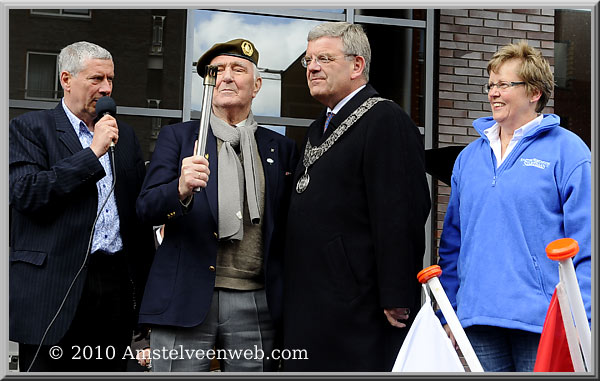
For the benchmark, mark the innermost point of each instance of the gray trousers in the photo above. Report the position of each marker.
(237, 329)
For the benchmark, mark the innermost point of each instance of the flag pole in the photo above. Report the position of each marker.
(563, 250)
(429, 275)
(570, 332)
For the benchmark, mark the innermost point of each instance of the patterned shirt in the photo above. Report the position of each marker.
(107, 235)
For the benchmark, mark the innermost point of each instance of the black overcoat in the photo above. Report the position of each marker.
(355, 241)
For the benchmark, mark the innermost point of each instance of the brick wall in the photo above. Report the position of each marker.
(468, 39)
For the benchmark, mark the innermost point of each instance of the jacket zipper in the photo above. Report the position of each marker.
(512, 153)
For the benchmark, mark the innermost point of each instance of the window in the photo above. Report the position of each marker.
(157, 34)
(42, 81)
(572, 70)
(405, 84)
(278, 57)
(285, 94)
(408, 13)
(81, 13)
(156, 122)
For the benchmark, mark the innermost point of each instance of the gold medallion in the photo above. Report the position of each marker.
(247, 48)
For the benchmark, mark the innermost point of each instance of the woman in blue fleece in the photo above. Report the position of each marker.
(524, 183)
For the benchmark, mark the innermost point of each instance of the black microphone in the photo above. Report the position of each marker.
(105, 105)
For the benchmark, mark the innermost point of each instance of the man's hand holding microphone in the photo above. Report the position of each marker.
(106, 130)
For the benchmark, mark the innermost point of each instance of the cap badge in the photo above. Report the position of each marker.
(247, 48)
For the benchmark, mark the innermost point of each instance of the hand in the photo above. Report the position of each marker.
(141, 332)
(450, 335)
(143, 357)
(106, 131)
(395, 314)
(194, 173)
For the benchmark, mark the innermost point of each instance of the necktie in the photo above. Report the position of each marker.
(329, 116)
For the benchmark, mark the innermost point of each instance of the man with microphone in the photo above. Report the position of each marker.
(74, 239)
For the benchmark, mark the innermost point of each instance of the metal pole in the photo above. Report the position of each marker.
(563, 250)
(570, 331)
(578, 309)
(430, 276)
(210, 80)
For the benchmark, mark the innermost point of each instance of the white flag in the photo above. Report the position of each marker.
(427, 347)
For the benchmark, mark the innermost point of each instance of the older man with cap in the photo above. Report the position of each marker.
(215, 286)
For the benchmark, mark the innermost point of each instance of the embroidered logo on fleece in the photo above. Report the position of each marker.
(541, 164)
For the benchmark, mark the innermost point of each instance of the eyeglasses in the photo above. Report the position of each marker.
(502, 86)
(321, 60)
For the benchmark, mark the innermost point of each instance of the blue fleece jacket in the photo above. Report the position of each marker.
(499, 220)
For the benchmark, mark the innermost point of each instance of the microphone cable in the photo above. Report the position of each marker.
(87, 254)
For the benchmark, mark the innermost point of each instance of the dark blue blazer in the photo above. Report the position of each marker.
(53, 204)
(182, 278)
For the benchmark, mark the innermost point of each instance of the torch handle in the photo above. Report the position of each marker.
(209, 87)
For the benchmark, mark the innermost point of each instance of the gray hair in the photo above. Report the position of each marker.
(353, 37)
(72, 58)
(256, 71)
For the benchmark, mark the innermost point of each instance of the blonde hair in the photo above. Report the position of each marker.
(535, 69)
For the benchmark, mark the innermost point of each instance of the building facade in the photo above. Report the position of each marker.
(430, 61)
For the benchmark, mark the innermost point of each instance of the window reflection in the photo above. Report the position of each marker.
(279, 41)
(147, 136)
(572, 92)
(398, 69)
(410, 14)
(327, 10)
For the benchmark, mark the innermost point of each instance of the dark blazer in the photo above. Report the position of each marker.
(53, 204)
(182, 278)
(355, 241)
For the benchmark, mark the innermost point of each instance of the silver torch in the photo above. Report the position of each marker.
(210, 80)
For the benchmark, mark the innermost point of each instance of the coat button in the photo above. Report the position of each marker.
(212, 268)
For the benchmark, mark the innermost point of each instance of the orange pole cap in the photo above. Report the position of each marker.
(561, 249)
(429, 272)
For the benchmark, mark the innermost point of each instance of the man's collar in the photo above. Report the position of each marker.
(75, 121)
(343, 102)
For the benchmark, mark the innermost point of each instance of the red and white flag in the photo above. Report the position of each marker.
(553, 351)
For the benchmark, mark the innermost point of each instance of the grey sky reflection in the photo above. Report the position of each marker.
(279, 41)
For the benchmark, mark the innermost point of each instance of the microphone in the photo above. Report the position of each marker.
(105, 105)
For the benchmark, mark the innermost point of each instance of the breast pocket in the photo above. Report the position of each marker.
(37, 258)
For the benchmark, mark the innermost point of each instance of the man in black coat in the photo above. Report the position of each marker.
(72, 240)
(355, 234)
